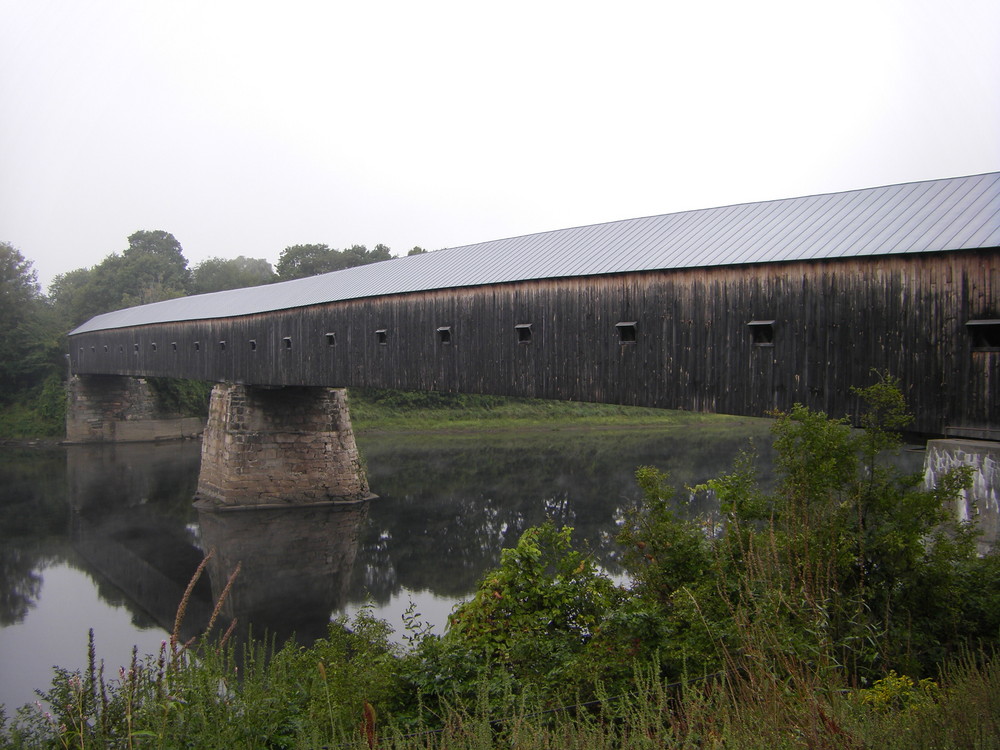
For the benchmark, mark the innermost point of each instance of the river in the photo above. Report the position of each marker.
(105, 537)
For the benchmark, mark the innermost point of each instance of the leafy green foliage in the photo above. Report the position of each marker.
(895, 692)
(218, 274)
(538, 609)
(846, 564)
(152, 268)
(299, 261)
(29, 337)
(181, 397)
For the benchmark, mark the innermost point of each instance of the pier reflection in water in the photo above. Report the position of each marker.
(295, 565)
(448, 504)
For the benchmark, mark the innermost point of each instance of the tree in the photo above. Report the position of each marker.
(18, 283)
(152, 268)
(416, 250)
(79, 295)
(299, 261)
(359, 255)
(217, 274)
(29, 335)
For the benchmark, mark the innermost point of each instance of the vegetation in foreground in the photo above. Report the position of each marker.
(844, 609)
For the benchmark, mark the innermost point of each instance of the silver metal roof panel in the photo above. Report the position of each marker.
(961, 213)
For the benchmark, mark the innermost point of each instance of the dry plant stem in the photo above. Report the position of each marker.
(223, 596)
(182, 607)
(218, 605)
(229, 631)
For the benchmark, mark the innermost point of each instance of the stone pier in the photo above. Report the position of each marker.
(980, 502)
(278, 447)
(120, 409)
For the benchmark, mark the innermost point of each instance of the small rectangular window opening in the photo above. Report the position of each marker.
(253, 345)
(153, 344)
(331, 339)
(197, 346)
(382, 336)
(121, 349)
(626, 332)
(135, 348)
(523, 331)
(444, 334)
(105, 348)
(93, 349)
(985, 335)
(761, 332)
(222, 346)
(81, 350)
(287, 341)
(173, 345)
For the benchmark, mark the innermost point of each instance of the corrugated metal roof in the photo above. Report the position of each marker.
(954, 214)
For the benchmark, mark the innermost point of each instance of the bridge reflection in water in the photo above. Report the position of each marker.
(133, 523)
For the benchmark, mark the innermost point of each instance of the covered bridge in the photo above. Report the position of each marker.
(740, 310)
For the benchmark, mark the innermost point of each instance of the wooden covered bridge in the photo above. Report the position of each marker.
(740, 310)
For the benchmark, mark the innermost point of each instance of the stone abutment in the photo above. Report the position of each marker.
(120, 409)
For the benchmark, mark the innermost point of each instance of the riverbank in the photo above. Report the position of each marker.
(375, 411)
(387, 411)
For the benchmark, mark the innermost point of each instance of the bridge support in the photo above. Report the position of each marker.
(119, 409)
(278, 447)
(982, 501)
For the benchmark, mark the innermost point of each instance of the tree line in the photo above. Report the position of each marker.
(150, 269)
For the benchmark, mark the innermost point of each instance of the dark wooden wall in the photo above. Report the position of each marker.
(833, 322)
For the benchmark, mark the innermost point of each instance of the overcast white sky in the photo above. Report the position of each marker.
(245, 127)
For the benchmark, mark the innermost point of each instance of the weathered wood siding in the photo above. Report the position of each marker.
(834, 321)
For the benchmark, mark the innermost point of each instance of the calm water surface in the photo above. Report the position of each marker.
(106, 537)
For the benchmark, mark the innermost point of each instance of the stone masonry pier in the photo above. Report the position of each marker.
(279, 447)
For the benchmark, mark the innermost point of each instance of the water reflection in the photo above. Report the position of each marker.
(295, 565)
(122, 514)
(449, 503)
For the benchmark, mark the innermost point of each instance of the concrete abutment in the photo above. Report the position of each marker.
(279, 447)
(980, 502)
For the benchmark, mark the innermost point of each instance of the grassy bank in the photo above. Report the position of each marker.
(375, 410)
(42, 415)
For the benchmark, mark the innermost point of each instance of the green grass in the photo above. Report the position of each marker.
(373, 411)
